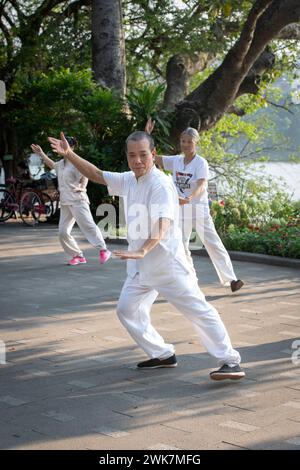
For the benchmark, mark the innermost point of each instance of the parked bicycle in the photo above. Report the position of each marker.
(33, 204)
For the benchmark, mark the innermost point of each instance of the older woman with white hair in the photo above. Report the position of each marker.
(190, 174)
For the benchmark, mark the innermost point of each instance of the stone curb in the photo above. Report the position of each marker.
(237, 256)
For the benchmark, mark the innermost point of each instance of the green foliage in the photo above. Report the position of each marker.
(158, 29)
(69, 101)
(257, 202)
(244, 139)
(41, 38)
(259, 218)
(67, 42)
(147, 102)
(265, 132)
(52, 90)
(281, 242)
(144, 102)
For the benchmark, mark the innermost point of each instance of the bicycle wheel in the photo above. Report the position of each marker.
(7, 203)
(30, 208)
(47, 209)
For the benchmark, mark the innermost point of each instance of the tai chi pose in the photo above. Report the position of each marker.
(156, 259)
(190, 175)
(74, 207)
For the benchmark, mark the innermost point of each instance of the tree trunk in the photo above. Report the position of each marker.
(180, 69)
(207, 104)
(108, 45)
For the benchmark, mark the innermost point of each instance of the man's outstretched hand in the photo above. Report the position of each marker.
(130, 254)
(61, 146)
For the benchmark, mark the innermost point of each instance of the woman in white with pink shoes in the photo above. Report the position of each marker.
(74, 207)
(190, 175)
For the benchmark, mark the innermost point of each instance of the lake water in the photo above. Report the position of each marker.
(289, 172)
(286, 174)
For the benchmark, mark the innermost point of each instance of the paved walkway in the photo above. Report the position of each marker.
(70, 380)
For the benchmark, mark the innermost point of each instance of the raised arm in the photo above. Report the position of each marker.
(200, 187)
(86, 168)
(39, 151)
(148, 129)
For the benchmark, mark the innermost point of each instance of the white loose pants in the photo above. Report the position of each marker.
(183, 293)
(206, 230)
(82, 215)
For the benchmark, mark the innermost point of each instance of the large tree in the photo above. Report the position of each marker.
(239, 40)
(166, 42)
(108, 45)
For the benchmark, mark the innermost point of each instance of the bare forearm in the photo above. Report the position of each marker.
(199, 190)
(158, 233)
(47, 161)
(86, 168)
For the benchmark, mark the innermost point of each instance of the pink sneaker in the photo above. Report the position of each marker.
(77, 260)
(104, 256)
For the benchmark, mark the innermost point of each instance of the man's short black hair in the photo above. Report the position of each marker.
(140, 135)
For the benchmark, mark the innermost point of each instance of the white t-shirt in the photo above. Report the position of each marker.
(185, 176)
(147, 199)
(71, 183)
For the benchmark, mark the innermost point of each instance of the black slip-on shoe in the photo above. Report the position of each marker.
(236, 285)
(227, 372)
(158, 363)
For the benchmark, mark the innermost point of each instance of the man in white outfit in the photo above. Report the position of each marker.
(156, 259)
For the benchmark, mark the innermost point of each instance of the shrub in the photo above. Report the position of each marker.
(279, 242)
(73, 102)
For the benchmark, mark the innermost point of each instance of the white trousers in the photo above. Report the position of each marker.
(183, 293)
(206, 230)
(82, 215)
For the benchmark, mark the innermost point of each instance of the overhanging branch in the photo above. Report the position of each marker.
(291, 31)
(241, 69)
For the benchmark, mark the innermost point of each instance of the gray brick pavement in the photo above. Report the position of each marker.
(70, 380)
